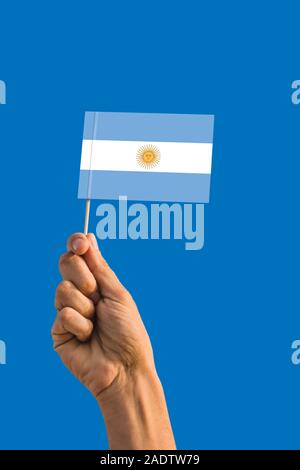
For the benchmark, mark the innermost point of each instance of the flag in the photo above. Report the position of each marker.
(146, 157)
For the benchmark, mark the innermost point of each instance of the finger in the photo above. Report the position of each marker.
(59, 335)
(78, 243)
(70, 321)
(67, 295)
(109, 284)
(73, 268)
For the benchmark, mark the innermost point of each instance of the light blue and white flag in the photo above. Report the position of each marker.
(146, 157)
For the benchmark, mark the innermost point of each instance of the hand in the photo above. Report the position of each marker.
(98, 331)
(100, 337)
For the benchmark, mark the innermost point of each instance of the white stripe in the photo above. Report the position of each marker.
(119, 155)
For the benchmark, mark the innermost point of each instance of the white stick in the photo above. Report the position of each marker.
(87, 216)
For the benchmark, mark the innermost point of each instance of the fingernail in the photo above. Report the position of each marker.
(94, 241)
(76, 244)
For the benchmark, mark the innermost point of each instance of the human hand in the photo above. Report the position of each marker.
(100, 337)
(98, 332)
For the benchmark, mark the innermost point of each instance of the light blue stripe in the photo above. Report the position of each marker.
(143, 186)
(149, 127)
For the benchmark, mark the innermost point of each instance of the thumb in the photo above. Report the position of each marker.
(78, 243)
(108, 283)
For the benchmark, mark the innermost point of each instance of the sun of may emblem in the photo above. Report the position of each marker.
(148, 156)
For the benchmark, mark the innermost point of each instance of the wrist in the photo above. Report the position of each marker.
(124, 384)
(135, 412)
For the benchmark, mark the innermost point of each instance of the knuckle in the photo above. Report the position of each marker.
(68, 259)
(88, 309)
(86, 331)
(88, 286)
(64, 288)
(88, 328)
(64, 260)
(75, 260)
(66, 315)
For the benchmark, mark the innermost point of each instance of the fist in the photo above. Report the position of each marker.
(98, 331)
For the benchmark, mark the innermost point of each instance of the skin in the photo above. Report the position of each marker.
(100, 337)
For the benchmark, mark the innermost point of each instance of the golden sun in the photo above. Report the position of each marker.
(148, 156)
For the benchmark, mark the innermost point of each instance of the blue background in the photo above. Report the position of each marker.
(222, 319)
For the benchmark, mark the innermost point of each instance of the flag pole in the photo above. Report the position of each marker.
(87, 216)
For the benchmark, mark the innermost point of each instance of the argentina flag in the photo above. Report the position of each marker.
(146, 157)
